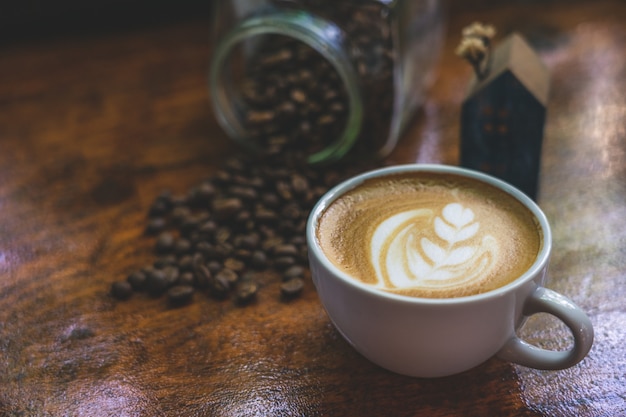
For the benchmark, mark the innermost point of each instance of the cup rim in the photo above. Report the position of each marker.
(331, 195)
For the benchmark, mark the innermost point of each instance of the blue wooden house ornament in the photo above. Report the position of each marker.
(504, 113)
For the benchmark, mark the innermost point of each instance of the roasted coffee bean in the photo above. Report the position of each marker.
(203, 276)
(223, 250)
(271, 242)
(186, 278)
(204, 247)
(227, 275)
(241, 219)
(226, 208)
(182, 246)
(249, 276)
(219, 286)
(270, 200)
(197, 258)
(291, 211)
(255, 181)
(283, 189)
(164, 260)
(189, 225)
(180, 295)
(267, 232)
(156, 282)
(185, 263)
(292, 287)
(122, 290)
(159, 208)
(242, 255)
(298, 240)
(222, 176)
(234, 264)
(284, 262)
(194, 237)
(147, 269)
(244, 193)
(299, 184)
(165, 197)
(248, 241)
(137, 280)
(178, 200)
(265, 215)
(180, 213)
(258, 260)
(208, 228)
(156, 225)
(239, 180)
(259, 117)
(202, 194)
(171, 275)
(165, 242)
(214, 266)
(235, 164)
(246, 291)
(285, 250)
(223, 234)
(295, 271)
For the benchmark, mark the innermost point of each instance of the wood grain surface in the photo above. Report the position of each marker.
(93, 127)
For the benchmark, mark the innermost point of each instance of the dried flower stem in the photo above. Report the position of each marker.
(475, 47)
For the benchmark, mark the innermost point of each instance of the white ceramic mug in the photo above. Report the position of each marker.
(429, 337)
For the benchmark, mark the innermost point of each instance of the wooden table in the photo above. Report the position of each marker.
(92, 128)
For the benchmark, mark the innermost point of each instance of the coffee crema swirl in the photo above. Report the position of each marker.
(429, 235)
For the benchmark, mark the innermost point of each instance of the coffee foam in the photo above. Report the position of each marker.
(430, 235)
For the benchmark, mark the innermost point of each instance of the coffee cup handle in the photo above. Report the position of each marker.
(543, 300)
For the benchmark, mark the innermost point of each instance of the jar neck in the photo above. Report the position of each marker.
(321, 35)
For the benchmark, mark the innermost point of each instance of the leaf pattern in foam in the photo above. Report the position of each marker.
(453, 234)
(457, 215)
(435, 253)
(460, 255)
(406, 252)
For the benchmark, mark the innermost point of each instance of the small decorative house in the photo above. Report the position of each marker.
(503, 115)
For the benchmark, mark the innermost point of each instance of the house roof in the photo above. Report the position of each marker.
(515, 55)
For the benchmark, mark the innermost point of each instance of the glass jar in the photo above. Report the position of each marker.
(322, 78)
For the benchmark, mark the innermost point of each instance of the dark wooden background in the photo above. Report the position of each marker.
(36, 19)
(97, 116)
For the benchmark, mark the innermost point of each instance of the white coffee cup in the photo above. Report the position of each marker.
(433, 337)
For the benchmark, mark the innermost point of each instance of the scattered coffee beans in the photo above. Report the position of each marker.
(244, 222)
(250, 216)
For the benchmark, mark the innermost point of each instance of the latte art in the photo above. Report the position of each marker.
(406, 253)
(429, 235)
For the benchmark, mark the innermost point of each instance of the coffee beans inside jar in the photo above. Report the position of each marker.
(229, 232)
(294, 100)
(276, 92)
